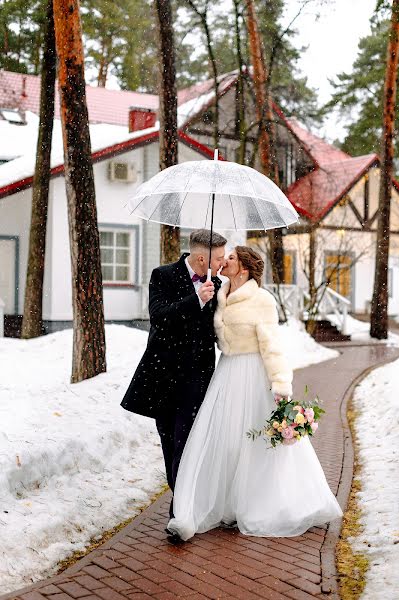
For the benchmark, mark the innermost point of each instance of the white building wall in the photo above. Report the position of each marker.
(120, 302)
(15, 213)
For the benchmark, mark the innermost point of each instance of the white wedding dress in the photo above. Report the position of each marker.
(224, 477)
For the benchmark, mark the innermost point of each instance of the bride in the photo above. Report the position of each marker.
(225, 478)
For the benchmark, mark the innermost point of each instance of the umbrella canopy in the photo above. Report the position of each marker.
(191, 193)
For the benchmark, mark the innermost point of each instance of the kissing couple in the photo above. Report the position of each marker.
(217, 475)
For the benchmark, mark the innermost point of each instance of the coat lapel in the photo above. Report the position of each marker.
(182, 276)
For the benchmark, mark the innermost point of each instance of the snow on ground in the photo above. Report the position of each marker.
(377, 428)
(301, 348)
(73, 463)
(360, 331)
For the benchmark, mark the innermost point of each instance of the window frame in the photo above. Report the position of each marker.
(133, 247)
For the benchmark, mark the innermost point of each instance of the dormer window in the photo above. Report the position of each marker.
(12, 115)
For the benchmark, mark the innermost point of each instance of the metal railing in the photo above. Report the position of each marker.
(290, 296)
(294, 299)
(331, 303)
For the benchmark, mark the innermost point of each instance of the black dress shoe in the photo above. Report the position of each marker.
(173, 537)
(232, 525)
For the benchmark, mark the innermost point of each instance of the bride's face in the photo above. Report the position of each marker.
(232, 266)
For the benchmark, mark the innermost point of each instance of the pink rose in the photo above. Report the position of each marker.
(314, 426)
(309, 414)
(287, 433)
(289, 442)
(299, 409)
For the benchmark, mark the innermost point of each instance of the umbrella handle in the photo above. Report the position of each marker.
(209, 275)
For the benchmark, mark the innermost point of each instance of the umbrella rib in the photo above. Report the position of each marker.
(254, 200)
(137, 205)
(232, 210)
(149, 218)
(207, 209)
(181, 208)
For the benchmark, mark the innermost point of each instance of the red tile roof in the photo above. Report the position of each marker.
(313, 195)
(104, 105)
(109, 152)
(316, 193)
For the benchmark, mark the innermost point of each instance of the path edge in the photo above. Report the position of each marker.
(329, 575)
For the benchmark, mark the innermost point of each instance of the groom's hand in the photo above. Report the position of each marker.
(206, 291)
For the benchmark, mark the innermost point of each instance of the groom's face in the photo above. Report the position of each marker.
(217, 260)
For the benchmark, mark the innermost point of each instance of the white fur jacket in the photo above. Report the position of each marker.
(246, 321)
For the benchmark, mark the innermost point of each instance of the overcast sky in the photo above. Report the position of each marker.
(332, 43)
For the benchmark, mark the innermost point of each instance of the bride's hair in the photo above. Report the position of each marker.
(252, 261)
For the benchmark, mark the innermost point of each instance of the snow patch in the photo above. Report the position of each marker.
(377, 399)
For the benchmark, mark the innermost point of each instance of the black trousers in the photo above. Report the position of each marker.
(174, 425)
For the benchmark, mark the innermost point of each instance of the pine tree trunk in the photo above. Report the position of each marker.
(168, 143)
(379, 305)
(311, 323)
(33, 305)
(259, 79)
(240, 128)
(87, 294)
(264, 116)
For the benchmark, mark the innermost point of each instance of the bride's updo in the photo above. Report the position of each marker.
(252, 261)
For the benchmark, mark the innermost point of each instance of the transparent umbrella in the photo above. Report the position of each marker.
(213, 194)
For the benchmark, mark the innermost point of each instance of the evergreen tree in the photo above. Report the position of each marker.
(22, 30)
(359, 95)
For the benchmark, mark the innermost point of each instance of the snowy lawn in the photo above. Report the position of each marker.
(377, 428)
(73, 463)
(360, 331)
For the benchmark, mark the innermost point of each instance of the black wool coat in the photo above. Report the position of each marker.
(181, 342)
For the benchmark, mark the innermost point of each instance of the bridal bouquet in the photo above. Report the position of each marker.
(291, 421)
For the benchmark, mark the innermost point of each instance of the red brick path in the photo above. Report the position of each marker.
(139, 563)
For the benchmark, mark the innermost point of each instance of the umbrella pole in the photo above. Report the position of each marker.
(215, 157)
(210, 239)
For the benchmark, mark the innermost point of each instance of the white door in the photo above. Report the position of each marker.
(7, 274)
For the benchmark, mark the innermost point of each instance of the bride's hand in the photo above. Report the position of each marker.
(279, 397)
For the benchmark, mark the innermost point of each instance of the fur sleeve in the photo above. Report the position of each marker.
(271, 348)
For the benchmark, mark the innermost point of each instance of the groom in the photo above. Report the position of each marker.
(172, 377)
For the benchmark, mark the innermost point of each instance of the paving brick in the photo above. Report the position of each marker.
(61, 596)
(89, 582)
(177, 588)
(233, 590)
(109, 594)
(131, 563)
(306, 585)
(96, 571)
(139, 555)
(299, 595)
(33, 596)
(124, 573)
(274, 583)
(199, 586)
(118, 584)
(146, 585)
(256, 587)
(306, 574)
(104, 562)
(308, 566)
(124, 546)
(49, 589)
(74, 589)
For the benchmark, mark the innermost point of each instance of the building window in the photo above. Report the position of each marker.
(338, 273)
(289, 268)
(116, 256)
(390, 283)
